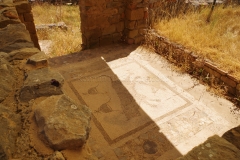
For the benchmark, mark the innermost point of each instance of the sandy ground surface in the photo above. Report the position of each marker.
(142, 107)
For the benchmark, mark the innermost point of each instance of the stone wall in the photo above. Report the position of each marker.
(31, 93)
(109, 21)
(25, 15)
(141, 14)
(136, 20)
(102, 21)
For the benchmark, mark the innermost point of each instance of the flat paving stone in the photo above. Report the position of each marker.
(142, 107)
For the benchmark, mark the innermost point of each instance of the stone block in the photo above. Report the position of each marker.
(11, 14)
(120, 26)
(212, 72)
(121, 10)
(214, 148)
(34, 39)
(63, 123)
(110, 11)
(102, 21)
(23, 7)
(30, 27)
(3, 55)
(139, 39)
(16, 46)
(233, 136)
(59, 25)
(11, 36)
(28, 17)
(38, 60)
(21, 18)
(142, 23)
(109, 30)
(23, 53)
(114, 19)
(131, 24)
(94, 33)
(130, 41)
(231, 90)
(114, 4)
(228, 81)
(41, 83)
(136, 14)
(57, 156)
(233, 78)
(132, 6)
(133, 33)
(137, 1)
(238, 90)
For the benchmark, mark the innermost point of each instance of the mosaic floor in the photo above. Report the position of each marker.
(141, 108)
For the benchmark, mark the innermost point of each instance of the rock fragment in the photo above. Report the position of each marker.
(39, 83)
(62, 123)
(38, 60)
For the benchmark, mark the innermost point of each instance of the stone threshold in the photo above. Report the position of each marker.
(203, 69)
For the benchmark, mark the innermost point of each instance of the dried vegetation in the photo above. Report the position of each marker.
(64, 42)
(218, 40)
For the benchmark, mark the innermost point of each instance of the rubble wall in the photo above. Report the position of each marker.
(25, 82)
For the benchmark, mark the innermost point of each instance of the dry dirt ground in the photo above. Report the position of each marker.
(142, 108)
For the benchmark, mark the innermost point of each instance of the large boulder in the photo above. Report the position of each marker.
(214, 147)
(62, 123)
(10, 125)
(6, 79)
(233, 136)
(41, 83)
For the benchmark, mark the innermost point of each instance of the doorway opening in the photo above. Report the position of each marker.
(58, 27)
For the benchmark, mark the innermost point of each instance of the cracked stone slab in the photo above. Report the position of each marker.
(41, 83)
(63, 123)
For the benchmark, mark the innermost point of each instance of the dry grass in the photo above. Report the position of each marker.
(218, 41)
(64, 42)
